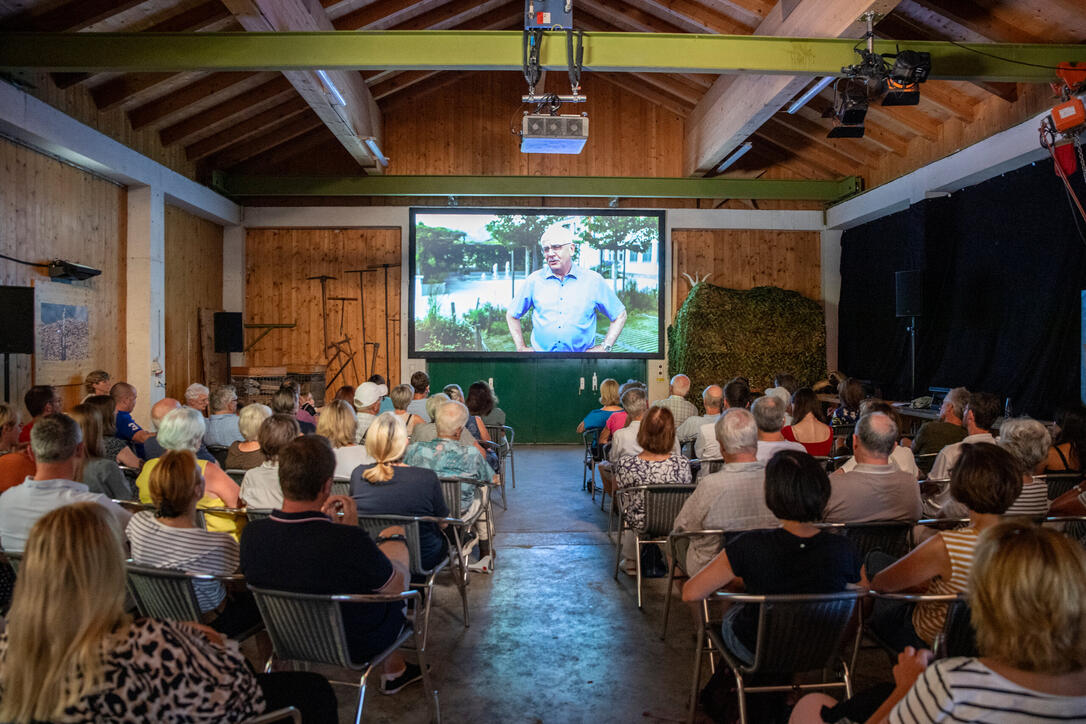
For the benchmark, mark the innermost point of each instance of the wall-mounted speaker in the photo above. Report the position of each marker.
(909, 293)
(229, 332)
(17, 320)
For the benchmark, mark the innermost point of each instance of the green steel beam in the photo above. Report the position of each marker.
(501, 50)
(562, 186)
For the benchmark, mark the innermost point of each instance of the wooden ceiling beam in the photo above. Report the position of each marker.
(631, 84)
(385, 14)
(69, 17)
(278, 88)
(668, 86)
(940, 94)
(437, 81)
(247, 149)
(252, 126)
(971, 17)
(737, 105)
(276, 157)
(920, 124)
(850, 148)
(873, 131)
(697, 17)
(191, 94)
(400, 81)
(359, 117)
(805, 147)
(802, 165)
(457, 14)
(117, 91)
(624, 16)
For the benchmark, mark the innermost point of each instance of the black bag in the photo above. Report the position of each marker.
(653, 563)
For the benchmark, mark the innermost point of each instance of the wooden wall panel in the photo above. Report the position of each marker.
(278, 291)
(743, 259)
(193, 282)
(50, 210)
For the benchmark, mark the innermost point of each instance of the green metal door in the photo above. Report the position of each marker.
(542, 398)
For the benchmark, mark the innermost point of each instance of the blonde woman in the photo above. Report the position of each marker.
(10, 427)
(401, 396)
(247, 455)
(15, 463)
(389, 487)
(97, 472)
(338, 423)
(97, 382)
(609, 405)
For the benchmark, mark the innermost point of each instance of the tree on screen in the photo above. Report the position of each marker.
(520, 231)
(620, 234)
(438, 252)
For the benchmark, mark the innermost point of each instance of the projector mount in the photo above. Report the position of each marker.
(533, 41)
(898, 79)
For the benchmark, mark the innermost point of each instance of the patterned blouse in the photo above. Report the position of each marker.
(633, 470)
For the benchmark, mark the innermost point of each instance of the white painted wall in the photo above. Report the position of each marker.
(145, 309)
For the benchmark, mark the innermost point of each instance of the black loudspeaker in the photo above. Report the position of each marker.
(17, 320)
(229, 334)
(909, 288)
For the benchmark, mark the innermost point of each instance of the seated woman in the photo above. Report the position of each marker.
(483, 402)
(247, 455)
(1029, 442)
(390, 487)
(170, 538)
(71, 653)
(795, 558)
(455, 392)
(656, 464)
(620, 419)
(260, 486)
(1069, 446)
(986, 481)
(338, 423)
(15, 463)
(809, 427)
(1033, 662)
(99, 473)
(851, 394)
(96, 382)
(401, 396)
(183, 429)
(427, 431)
(609, 405)
(113, 447)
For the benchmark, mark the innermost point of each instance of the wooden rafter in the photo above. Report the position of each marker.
(924, 126)
(955, 104)
(699, 17)
(853, 149)
(246, 129)
(265, 141)
(875, 132)
(69, 17)
(803, 147)
(117, 91)
(275, 157)
(458, 13)
(384, 14)
(625, 16)
(803, 165)
(275, 89)
(970, 17)
(181, 98)
(632, 84)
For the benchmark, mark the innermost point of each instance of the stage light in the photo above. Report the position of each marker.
(849, 109)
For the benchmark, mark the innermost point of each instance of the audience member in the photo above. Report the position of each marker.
(124, 400)
(980, 413)
(56, 445)
(386, 401)
(1029, 442)
(768, 414)
(901, 456)
(680, 407)
(222, 425)
(307, 412)
(301, 548)
(948, 429)
(337, 424)
(40, 400)
(809, 426)
(986, 480)
(10, 426)
(428, 430)
(197, 396)
(787, 381)
(15, 461)
(401, 398)
(851, 394)
(1069, 446)
(420, 382)
(874, 488)
(151, 446)
(96, 383)
(736, 397)
(169, 537)
(657, 463)
(482, 402)
(260, 486)
(785, 397)
(619, 420)
(97, 472)
(367, 400)
(114, 447)
(796, 558)
(712, 399)
(345, 393)
(454, 391)
(285, 401)
(732, 499)
(71, 653)
(478, 430)
(609, 405)
(391, 487)
(247, 455)
(635, 403)
(447, 457)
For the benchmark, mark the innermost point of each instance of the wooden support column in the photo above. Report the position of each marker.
(145, 307)
(233, 276)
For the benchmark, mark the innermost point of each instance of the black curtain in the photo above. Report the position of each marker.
(1004, 265)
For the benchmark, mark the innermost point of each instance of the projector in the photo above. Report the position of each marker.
(60, 269)
(553, 134)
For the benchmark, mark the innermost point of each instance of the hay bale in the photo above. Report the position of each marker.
(719, 333)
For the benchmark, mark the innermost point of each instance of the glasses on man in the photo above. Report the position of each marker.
(548, 248)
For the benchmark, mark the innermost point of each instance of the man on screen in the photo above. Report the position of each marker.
(566, 298)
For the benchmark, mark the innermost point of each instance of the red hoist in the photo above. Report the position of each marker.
(1062, 130)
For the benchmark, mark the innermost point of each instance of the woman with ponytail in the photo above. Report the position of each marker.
(388, 487)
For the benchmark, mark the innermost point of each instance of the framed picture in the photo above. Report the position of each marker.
(63, 330)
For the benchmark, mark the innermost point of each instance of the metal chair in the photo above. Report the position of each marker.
(451, 489)
(288, 712)
(1060, 483)
(675, 561)
(708, 466)
(796, 633)
(341, 486)
(309, 628)
(1073, 526)
(15, 558)
(924, 462)
(257, 513)
(957, 637)
(236, 474)
(496, 448)
(662, 505)
(202, 514)
(169, 594)
(219, 452)
(893, 537)
(591, 437)
(503, 435)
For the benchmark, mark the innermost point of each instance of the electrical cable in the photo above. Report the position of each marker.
(20, 261)
(1005, 60)
(574, 61)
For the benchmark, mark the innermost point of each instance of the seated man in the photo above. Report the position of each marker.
(449, 458)
(736, 396)
(420, 383)
(286, 401)
(712, 398)
(222, 425)
(40, 400)
(680, 407)
(732, 499)
(933, 436)
(980, 413)
(197, 396)
(56, 444)
(124, 400)
(768, 414)
(875, 489)
(367, 401)
(159, 410)
(303, 548)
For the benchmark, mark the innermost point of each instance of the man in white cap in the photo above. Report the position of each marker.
(565, 298)
(367, 402)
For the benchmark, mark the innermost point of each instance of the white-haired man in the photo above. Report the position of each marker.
(222, 425)
(151, 446)
(732, 499)
(681, 408)
(197, 397)
(449, 458)
(712, 398)
(933, 436)
(565, 298)
(768, 414)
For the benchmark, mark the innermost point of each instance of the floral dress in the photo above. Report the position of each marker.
(634, 470)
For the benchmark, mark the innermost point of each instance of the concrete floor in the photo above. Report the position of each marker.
(553, 637)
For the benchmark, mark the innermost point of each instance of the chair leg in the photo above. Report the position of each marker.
(618, 548)
(742, 696)
(460, 569)
(512, 467)
(667, 598)
(611, 517)
(361, 694)
(696, 685)
(638, 562)
(505, 505)
(431, 693)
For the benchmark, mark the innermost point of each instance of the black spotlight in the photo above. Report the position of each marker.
(910, 68)
(849, 110)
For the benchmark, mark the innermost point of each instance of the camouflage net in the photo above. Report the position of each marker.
(720, 333)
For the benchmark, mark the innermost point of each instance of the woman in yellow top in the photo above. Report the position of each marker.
(183, 429)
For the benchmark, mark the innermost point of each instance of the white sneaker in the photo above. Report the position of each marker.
(483, 565)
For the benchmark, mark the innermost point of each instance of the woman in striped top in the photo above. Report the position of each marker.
(987, 481)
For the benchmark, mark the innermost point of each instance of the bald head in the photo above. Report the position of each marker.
(680, 385)
(876, 435)
(162, 408)
(713, 398)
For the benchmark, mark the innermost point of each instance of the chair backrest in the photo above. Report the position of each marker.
(925, 461)
(802, 633)
(893, 537)
(163, 593)
(662, 505)
(591, 437)
(236, 474)
(304, 627)
(450, 489)
(374, 524)
(257, 513)
(501, 434)
(15, 558)
(279, 715)
(341, 486)
(219, 452)
(1060, 483)
(959, 638)
(710, 466)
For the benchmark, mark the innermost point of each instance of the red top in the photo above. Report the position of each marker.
(821, 449)
(14, 469)
(24, 434)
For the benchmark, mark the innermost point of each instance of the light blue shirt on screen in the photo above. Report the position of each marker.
(564, 319)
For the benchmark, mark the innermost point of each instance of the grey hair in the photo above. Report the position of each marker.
(195, 390)
(251, 417)
(1025, 438)
(435, 401)
(222, 398)
(878, 433)
(182, 429)
(737, 432)
(711, 400)
(957, 398)
(54, 438)
(450, 417)
(634, 401)
(768, 413)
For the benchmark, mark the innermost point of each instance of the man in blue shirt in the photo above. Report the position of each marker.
(566, 298)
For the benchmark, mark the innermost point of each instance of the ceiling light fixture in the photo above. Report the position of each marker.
(732, 158)
(330, 88)
(375, 150)
(809, 94)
